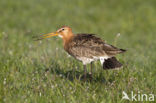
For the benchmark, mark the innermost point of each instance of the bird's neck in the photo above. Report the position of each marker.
(67, 40)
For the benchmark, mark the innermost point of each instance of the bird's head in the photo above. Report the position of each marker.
(64, 32)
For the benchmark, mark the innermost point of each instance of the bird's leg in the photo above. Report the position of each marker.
(73, 71)
(85, 71)
(91, 66)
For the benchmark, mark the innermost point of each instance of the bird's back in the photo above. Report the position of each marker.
(88, 45)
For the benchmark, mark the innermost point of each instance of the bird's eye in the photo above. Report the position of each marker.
(62, 29)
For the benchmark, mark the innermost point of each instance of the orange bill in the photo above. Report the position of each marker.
(46, 36)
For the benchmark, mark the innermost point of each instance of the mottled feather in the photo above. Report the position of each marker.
(90, 46)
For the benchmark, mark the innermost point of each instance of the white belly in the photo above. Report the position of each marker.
(86, 60)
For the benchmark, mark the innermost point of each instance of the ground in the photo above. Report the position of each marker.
(41, 71)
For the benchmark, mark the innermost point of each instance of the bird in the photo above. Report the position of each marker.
(87, 48)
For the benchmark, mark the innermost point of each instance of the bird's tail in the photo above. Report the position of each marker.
(111, 63)
(122, 50)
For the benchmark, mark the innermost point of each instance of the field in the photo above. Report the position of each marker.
(42, 72)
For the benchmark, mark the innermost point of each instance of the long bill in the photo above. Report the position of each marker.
(46, 36)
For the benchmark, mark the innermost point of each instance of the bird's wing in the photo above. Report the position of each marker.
(83, 51)
(112, 50)
(87, 40)
(88, 45)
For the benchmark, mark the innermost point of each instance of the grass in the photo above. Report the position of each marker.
(40, 72)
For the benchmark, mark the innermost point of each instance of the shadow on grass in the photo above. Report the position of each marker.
(73, 74)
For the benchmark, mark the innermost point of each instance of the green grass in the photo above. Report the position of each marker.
(41, 72)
